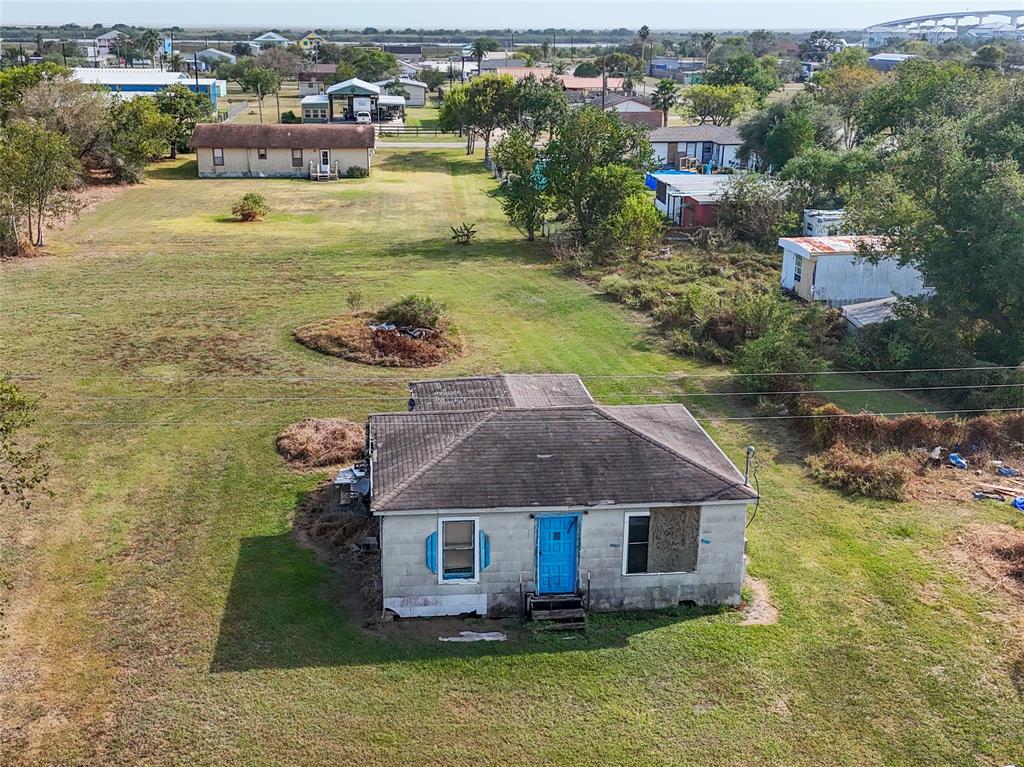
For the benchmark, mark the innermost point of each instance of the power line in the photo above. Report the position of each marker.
(440, 415)
(387, 398)
(678, 375)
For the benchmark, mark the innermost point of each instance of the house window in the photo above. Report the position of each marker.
(458, 550)
(261, 154)
(637, 537)
(218, 156)
(296, 158)
(798, 268)
(662, 540)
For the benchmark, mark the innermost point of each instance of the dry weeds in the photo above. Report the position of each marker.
(351, 338)
(318, 442)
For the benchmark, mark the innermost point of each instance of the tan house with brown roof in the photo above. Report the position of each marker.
(319, 152)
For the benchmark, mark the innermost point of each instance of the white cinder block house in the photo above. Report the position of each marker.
(831, 269)
(495, 491)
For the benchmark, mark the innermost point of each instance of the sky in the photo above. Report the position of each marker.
(481, 14)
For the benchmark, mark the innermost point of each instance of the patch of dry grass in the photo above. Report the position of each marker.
(317, 442)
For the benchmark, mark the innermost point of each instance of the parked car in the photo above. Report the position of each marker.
(363, 118)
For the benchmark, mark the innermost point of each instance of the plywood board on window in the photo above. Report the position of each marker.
(674, 537)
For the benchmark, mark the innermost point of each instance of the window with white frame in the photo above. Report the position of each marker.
(798, 268)
(218, 155)
(637, 542)
(661, 540)
(296, 158)
(458, 549)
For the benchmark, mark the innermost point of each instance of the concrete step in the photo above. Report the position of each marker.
(556, 626)
(575, 613)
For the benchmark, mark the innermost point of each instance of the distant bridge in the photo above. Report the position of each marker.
(1014, 17)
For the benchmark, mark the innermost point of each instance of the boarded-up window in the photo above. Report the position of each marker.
(663, 541)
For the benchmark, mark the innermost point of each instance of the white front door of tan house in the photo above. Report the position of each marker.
(325, 160)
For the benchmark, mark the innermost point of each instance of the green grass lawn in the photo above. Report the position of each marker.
(157, 611)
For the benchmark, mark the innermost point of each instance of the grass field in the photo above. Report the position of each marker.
(157, 611)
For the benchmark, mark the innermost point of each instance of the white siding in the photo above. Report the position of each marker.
(841, 280)
(788, 266)
(660, 152)
(410, 589)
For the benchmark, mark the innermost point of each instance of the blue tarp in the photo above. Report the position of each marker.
(956, 460)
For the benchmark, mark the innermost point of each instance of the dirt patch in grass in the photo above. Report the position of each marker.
(318, 442)
(221, 352)
(996, 553)
(351, 338)
(760, 610)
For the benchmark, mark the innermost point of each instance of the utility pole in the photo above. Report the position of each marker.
(64, 53)
(195, 68)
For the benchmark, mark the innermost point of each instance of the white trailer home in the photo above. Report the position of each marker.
(833, 270)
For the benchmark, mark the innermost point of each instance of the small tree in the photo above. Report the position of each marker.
(526, 201)
(464, 233)
(413, 311)
(37, 168)
(252, 207)
(635, 231)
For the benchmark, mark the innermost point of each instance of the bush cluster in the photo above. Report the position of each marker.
(356, 171)
(873, 475)
(252, 207)
(413, 311)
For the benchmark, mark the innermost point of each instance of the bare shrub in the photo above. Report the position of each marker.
(317, 442)
(883, 475)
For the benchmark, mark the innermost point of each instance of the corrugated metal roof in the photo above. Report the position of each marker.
(824, 246)
(870, 312)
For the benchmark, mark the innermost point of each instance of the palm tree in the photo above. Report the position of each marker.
(707, 43)
(643, 34)
(665, 96)
(174, 63)
(479, 49)
(149, 42)
(559, 67)
(631, 74)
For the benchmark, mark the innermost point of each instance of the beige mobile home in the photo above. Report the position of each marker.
(319, 152)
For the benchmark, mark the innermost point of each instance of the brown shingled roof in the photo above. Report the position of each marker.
(523, 456)
(283, 136)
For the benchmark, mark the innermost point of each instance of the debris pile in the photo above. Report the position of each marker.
(360, 338)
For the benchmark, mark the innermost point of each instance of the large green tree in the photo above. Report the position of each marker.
(718, 104)
(186, 108)
(743, 68)
(596, 162)
(139, 133)
(664, 98)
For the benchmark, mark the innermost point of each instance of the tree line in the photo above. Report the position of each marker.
(55, 132)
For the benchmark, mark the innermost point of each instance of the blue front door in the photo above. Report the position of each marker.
(556, 554)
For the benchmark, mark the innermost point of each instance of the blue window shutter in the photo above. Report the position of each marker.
(485, 550)
(432, 552)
